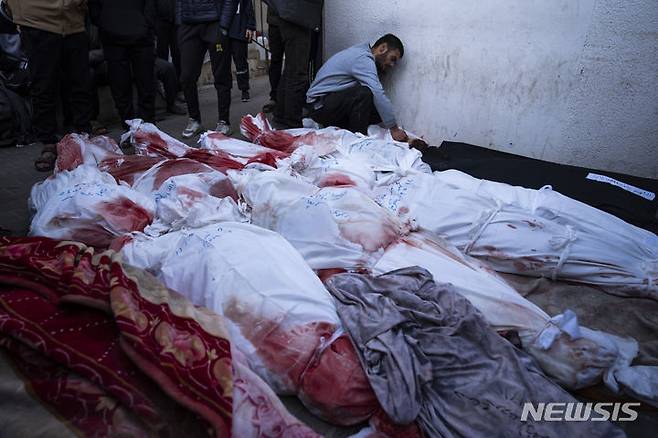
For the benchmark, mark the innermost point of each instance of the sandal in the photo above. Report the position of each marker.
(46, 162)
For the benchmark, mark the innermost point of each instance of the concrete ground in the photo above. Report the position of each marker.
(17, 176)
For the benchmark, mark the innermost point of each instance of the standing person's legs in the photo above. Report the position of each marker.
(162, 36)
(75, 63)
(239, 51)
(43, 51)
(192, 50)
(97, 77)
(219, 47)
(120, 79)
(276, 60)
(65, 100)
(165, 72)
(173, 48)
(142, 59)
(93, 86)
(294, 82)
(167, 43)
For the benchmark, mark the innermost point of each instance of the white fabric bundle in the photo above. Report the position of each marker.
(239, 150)
(359, 162)
(528, 232)
(322, 141)
(88, 206)
(334, 169)
(281, 315)
(76, 149)
(148, 140)
(194, 195)
(333, 227)
(386, 156)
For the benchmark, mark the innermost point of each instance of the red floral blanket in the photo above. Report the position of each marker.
(111, 350)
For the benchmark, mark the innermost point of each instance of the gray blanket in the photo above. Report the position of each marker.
(431, 358)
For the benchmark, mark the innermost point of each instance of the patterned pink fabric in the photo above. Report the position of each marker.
(191, 361)
(113, 351)
(72, 396)
(38, 276)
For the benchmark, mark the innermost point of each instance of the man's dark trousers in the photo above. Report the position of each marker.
(276, 60)
(194, 40)
(128, 63)
(167, 42)
(291, 92)
(165, 72)
(239, 52)
(51, 55)
(352, 109)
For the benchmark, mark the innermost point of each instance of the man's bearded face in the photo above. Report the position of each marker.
(386, 60)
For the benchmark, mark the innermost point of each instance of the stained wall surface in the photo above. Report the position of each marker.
(569, 81)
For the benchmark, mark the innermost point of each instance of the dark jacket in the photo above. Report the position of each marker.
(305, 13)
(206, 11)
(165, 10)
(60, 17)
(243, 20)
(124, 22)
(14, 72)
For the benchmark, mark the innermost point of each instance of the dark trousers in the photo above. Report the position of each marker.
(127, 65)
(98, 77)
(352, 109)
(239, 52)
(276, 60)
(194, 40)
(167, 43)
(165, 72)
(51, 55)
(291, 92)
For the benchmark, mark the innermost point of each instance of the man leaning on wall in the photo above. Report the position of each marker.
(53, 33)
(348, 93)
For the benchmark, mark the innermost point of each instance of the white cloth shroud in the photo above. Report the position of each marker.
(528, 232)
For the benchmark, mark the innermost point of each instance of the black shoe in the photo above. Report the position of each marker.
(280, 124)
(245, 96)
(269, 106)
(177, 109)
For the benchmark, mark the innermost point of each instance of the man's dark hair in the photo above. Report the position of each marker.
(392, 42)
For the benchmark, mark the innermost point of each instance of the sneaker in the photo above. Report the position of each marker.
(269, 106)
(193, 128)
(245, 96)
(223, 127)
(177, 109)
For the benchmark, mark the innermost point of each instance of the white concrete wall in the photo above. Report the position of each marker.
(569, 81)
